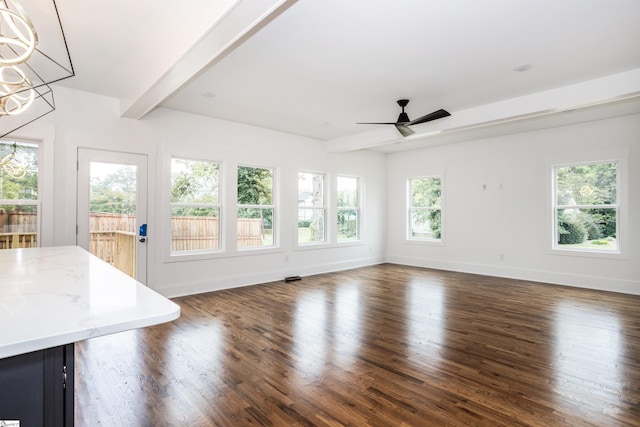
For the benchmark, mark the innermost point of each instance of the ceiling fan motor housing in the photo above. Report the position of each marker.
(403, 118)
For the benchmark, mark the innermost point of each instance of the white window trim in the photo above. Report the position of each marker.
(409, 208)
(620, 156)
(218, 252)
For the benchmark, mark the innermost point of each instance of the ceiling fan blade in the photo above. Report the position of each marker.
(404, 130)
(432, 116)
(376, 123)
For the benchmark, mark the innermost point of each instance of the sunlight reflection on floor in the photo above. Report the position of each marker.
(588, 340)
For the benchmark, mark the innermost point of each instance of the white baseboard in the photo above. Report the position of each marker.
(236, 281)
(581, 281)
(565, 279)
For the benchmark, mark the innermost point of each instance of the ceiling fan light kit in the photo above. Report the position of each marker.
(403, 122)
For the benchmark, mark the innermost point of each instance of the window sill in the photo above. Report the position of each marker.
(201, 256)
(327, 245)
(425, 242)
(311, 246)
(588, 253)
(349, 243)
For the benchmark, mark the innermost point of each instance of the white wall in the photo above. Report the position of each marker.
(512, 215)
(88, 120)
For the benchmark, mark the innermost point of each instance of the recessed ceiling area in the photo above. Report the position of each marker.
(317, 68)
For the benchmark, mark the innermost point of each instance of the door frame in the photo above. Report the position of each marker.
(84, 157)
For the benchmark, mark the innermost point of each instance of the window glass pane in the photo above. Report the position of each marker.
(310, 189)
(347, 224)
(425, 208)
(347, 197)
(195, 210)
(425, 224)
(255, 227)
(194, 181)
(593, 184)
(113, 217)
(18, 226)
(311, 211)
(112, 190)
(586, 207)
(347, 191)
(587, 229)
(194, 229)
(255, 186)
(19, 189)
(425, 192)
(255, 224)
(311, 229)
(18, 171)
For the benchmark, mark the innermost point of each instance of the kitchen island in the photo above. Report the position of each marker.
(51, 298)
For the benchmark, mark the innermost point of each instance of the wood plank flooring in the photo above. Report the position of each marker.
(378, 346)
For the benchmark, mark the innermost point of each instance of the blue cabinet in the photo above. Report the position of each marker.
(37, 388)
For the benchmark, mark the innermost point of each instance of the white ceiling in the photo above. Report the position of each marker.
(316, 68)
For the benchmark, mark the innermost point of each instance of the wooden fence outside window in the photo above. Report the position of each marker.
(18, 230)
(112, 237)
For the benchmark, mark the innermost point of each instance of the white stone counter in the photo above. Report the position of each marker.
(60, 295)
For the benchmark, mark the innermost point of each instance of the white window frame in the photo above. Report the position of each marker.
(356, 208)
(25, 202)
(323, 208)
(411, 208)
(272, 206)
(196, 254)
(620, 206)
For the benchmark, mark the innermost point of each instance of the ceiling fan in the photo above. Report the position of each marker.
(403, 122)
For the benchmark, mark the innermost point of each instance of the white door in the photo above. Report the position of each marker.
(112, 208)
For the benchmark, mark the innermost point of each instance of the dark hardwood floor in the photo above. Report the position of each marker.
(377, 346)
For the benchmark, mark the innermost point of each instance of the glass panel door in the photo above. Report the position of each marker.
(112, 209)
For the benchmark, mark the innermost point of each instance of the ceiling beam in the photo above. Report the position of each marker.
(244, 19)
(603, 91)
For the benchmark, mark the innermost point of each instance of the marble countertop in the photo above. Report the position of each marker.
(59, 295)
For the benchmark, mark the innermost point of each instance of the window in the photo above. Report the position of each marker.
(311, 208)
(195, 206)
(586, 209)
(256, 208)
(425, 209)
(19, 201)
(348, 208)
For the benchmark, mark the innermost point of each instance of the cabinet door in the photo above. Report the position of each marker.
(33, 388)
(22, 388)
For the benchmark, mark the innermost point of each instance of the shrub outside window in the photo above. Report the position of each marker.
(425, 210)
(256, 207)
(348, 189)
(195, 206)
(19, 200)
(586, 210)
(311, 208)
